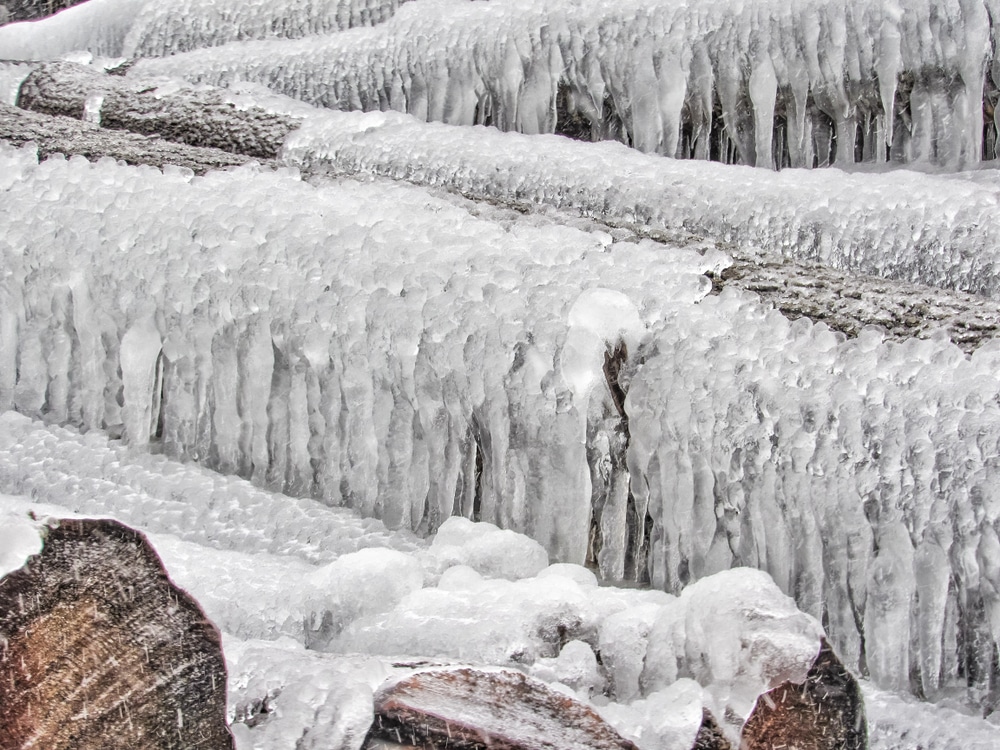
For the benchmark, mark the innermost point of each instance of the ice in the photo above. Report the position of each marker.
(668, 719)
(282, 693)
(12, 75)
(406, 354)
(19, 539)
(937, 228)
(796, 84)
(735, 633)
(490, 551)
(143, 28)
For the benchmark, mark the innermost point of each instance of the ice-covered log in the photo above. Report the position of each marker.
(935, 229)
(101, 651)
(380, 351)
(62, 135)
(478, 709)
(826, 712)
(767, 82)
(185, 115)
(138, 28)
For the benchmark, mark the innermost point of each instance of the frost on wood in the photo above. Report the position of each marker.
(102, 652)
(767, 83)
(196, 117)
(474, 709)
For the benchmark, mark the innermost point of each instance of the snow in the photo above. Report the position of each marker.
(639, 70)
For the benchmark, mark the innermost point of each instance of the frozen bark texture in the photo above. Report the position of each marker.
(470, 709)
(102, 652)
(195, 117)
(62, 135)
(825, 713)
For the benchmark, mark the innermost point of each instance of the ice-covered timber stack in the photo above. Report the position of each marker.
(431, 364)
(768, 82)
(139, 28)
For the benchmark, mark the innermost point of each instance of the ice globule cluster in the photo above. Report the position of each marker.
(366, 344)
(140, 28)
(379, 347)
(935, 228)
(766, 83)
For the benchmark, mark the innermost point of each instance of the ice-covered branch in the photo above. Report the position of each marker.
(766, 83)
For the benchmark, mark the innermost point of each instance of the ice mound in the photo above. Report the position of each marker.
(766, 83)
(490, 551)
(140, 28)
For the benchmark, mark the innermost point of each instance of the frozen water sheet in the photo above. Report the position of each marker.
(766, 83)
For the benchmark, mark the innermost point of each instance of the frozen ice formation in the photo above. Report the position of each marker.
(767, 83)
(936, 229)
(140, 28)
(409, 355)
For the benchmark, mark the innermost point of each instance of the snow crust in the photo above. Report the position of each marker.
(802, 83)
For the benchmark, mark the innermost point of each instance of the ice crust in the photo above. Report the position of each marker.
(398, 352)
(797, 84)
(286, 685)
(938, 229)
(142, 28)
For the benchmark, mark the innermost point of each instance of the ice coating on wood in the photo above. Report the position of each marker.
(936, 228)
(768, 82)
(141, 28)
(395, 365)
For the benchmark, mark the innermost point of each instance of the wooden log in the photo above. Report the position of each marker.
(197, 117)
(100, 651)
(826, 712)
(472, 709)
(62, 135)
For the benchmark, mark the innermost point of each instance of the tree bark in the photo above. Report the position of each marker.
(62, 135)
(197, 117)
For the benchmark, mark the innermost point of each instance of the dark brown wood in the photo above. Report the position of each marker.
(62, 135)
(471, 709)
(826, 712)
(197, 117)
(100, 651)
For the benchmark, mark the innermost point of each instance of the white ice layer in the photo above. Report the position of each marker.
(766, 83)
(936, 229)
(142, 28)
(377, 346)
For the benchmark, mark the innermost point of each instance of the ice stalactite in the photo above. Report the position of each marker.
(388, 350)
(768, 83)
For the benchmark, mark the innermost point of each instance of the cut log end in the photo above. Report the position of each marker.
(102, 651)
